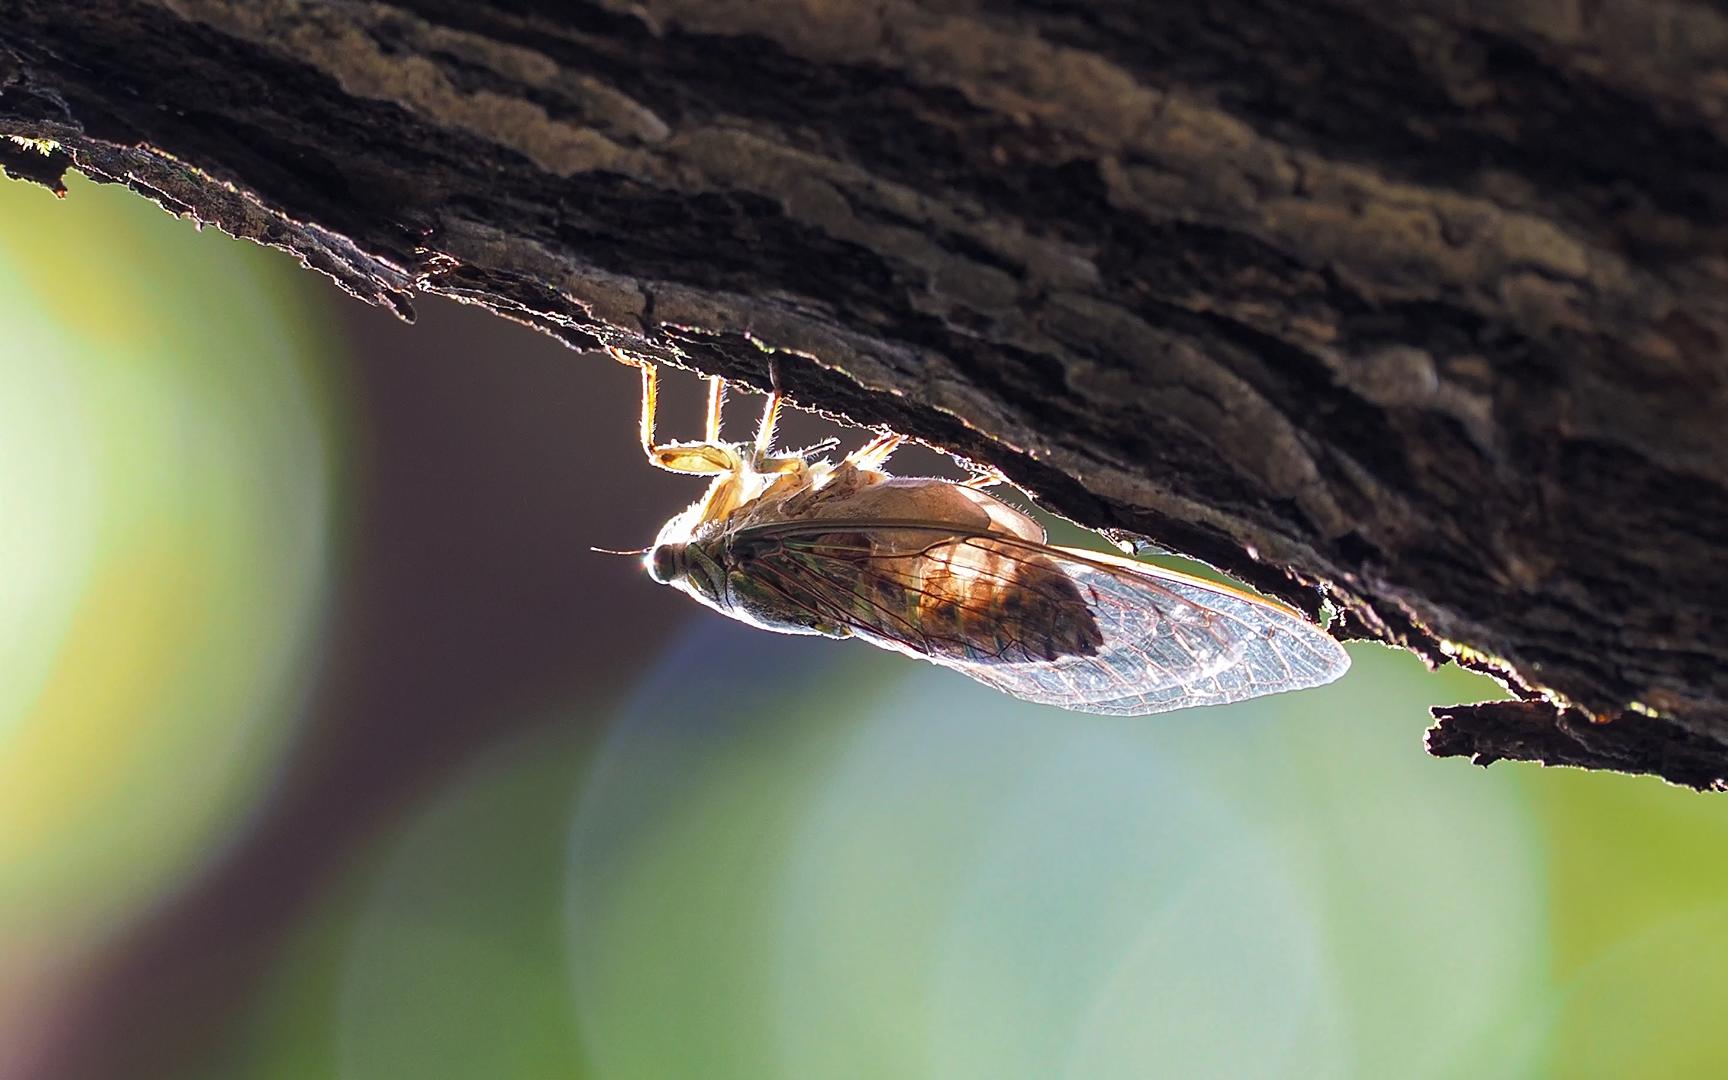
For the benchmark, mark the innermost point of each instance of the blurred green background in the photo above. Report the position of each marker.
(327, 749)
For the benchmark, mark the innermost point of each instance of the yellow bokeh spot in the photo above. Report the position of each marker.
(165, 472)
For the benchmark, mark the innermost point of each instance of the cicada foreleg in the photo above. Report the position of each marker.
(703, 458)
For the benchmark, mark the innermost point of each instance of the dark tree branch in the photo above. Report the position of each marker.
(1531, 731)
(1410, 306)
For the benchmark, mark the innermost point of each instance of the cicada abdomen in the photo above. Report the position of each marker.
(968, 598)
(982, 600)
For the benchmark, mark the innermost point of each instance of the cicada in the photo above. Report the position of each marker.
(942, 571)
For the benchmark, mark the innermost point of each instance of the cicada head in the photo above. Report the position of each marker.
(666, 563)
(675, 561)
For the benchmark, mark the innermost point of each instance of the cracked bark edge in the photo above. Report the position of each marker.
(1536, 731)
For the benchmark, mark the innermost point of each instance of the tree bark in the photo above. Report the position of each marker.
(1414, 308)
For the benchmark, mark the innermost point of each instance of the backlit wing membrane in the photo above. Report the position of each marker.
(1058, 626)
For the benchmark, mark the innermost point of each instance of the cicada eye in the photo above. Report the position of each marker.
(666, 563)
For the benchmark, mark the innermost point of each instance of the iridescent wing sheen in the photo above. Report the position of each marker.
(1169, 641)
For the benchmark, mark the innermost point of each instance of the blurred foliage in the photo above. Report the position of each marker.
(793, 859)
(164, 465)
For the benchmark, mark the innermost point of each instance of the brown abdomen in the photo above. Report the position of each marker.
(976, 600)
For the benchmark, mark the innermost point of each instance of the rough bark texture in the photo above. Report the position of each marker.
(1418, 307)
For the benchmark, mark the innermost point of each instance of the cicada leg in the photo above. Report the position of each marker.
(716, 405)
(650, 402)
(983, 477)
(764, 460)
(875, 453)
(770, 420)
(706, 457)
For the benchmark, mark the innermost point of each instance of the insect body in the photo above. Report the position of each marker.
(941, 571)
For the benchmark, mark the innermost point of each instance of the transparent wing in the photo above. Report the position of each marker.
(1077, 629)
